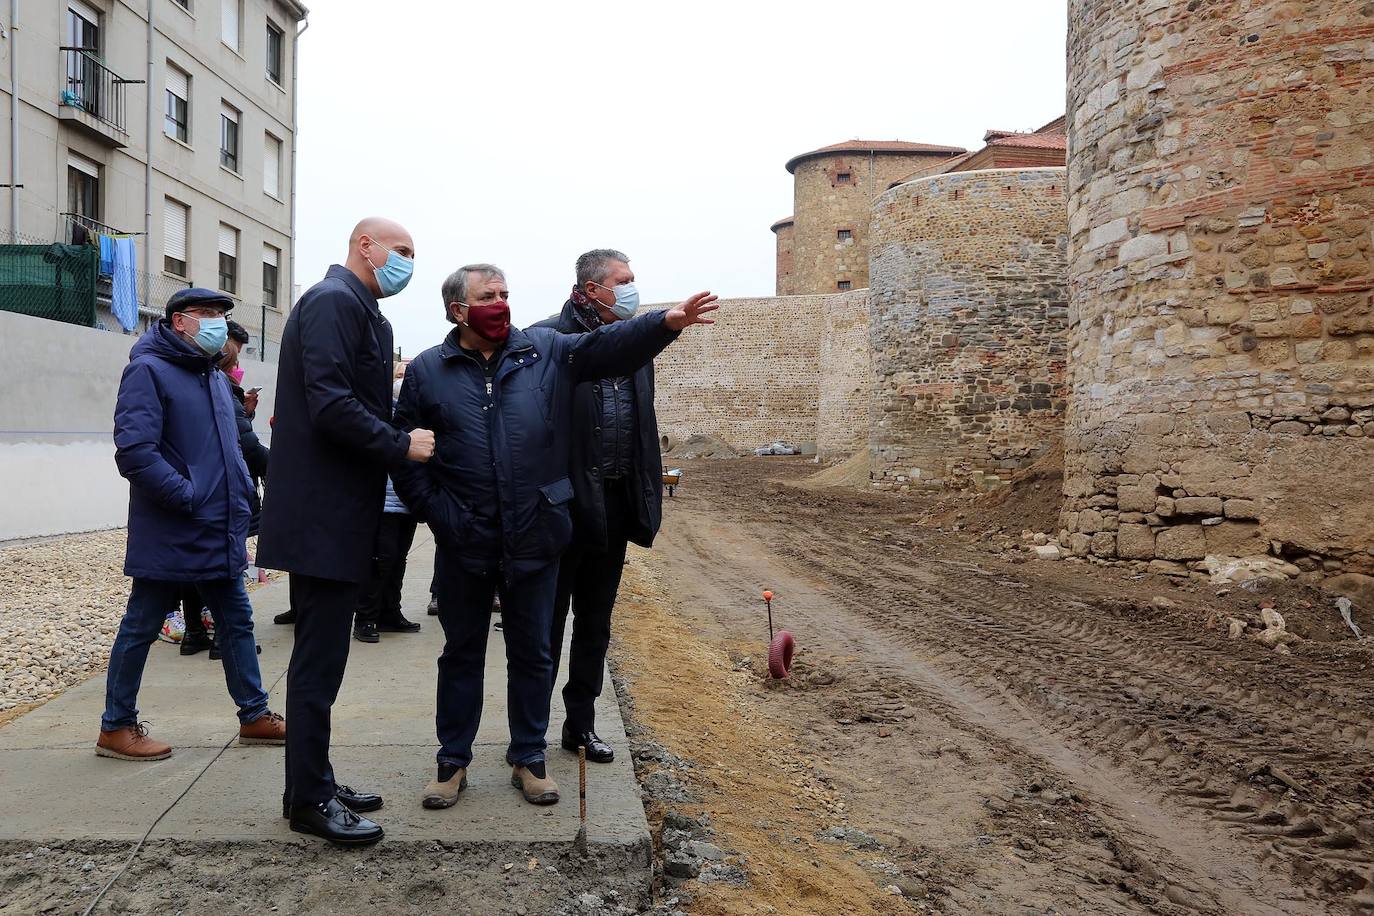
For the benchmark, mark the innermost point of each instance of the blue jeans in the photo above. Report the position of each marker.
(149, 602)
(527, 621)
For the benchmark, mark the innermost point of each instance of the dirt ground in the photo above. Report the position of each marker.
(966, 731)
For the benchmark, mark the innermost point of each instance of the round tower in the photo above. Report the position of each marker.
(784, 229)
(833, 192)
(1221, 157)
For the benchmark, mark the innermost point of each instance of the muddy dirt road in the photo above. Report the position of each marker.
(1018, 737)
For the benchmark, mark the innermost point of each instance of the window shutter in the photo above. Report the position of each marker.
(229, 111)
(271, 171)
(269, 255)
(82, 164)
(178, 84)
(228, 240)
(230, 21)
(85, 11)
(175, 216)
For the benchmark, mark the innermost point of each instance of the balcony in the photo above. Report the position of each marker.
(93, 97)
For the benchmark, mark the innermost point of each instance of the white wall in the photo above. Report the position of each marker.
(57, 395)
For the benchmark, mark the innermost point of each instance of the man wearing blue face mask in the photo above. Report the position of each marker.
(177, 443)
(332, 443)
(617, 476)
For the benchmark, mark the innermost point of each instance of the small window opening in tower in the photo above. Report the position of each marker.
(844, 235)
(842, 177)
(844, 285)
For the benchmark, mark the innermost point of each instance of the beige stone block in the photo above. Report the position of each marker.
(1135, 499)
(1241, 509)
(1089, 521)
(1079, 544)
(1164, 506)
(1181, 542)
(1135, 542)
(1235, 539)
(1198, 505)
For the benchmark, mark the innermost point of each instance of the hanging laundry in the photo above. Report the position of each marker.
(124, 299)
(106, 254)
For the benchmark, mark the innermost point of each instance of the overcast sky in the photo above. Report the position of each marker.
(525, 133)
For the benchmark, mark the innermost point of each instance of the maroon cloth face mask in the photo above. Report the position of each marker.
(491, 321)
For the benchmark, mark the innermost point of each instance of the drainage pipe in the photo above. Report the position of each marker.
(14, 121)
(148, 171)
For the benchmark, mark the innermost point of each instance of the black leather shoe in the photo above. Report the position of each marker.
(333, 821)
(357, 802)
(366, 632)
(398, 624)
(598, 751)
(285, 618)
(193, 643)
(433, 609)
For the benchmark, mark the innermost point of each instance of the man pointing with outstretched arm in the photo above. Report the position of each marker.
(497, 497)
(332, 443)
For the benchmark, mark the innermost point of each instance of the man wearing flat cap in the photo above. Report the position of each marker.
(176, 442)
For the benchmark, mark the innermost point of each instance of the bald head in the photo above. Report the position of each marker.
(370, 244)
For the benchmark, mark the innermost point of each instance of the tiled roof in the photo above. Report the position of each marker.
(1033, 141)
(878, 146)
(785, 221)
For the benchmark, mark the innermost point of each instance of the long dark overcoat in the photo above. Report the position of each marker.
(332, 439)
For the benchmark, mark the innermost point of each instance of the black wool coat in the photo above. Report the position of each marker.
(332, 439)
(646, 483)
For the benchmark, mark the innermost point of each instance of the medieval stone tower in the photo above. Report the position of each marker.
(1221, 164)
(823, 245)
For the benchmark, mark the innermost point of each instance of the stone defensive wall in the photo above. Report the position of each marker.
(757, 374)
(1221, 162)
(967, 322)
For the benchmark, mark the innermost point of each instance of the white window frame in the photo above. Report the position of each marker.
(231, 15)
(168, 249)
(272, 148)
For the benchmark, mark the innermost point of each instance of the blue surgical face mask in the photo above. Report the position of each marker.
(392, 276)
(211, 334)
(626, 299)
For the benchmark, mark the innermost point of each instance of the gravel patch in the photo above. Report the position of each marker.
(59, 609)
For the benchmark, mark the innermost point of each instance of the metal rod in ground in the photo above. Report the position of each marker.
(769, 602)
(580, 844)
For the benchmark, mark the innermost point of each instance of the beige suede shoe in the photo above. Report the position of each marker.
(537, 790)
(444, 794)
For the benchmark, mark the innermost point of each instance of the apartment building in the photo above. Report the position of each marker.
(170, 121)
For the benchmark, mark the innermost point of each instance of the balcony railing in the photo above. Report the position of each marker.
(94, 88)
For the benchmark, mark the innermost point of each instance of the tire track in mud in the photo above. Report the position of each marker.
(1160, 726)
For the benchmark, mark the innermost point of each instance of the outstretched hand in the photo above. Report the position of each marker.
(685, 314)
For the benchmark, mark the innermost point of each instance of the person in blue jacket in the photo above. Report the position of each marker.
(177, 444)
(496, 494)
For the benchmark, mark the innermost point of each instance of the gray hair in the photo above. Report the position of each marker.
(455, 288)
(595, 265)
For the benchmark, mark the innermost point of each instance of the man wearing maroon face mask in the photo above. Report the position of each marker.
(497, 496)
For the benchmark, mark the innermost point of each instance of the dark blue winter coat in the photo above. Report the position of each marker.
(177, 444)
(497, 488)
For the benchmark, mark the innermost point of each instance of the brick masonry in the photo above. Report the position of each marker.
(1221, 163)
(757, 374)
(968, 314)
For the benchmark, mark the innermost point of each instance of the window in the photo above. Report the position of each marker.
(271, 166)
(844, 235)
(844, 285)
(275, 42)
(83, 69)
(228, 258)
(231, 11)
(83, 193)
(176, 221)
(184, 4)
(178, 117)
(842, 178)
(270, 259)
(229, 137)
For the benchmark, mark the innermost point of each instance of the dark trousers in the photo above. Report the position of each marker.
(189, 601)
(324, 615)
(382, 597)
(465, 614)
(588, 579)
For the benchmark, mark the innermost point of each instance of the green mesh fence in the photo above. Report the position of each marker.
(50, 281)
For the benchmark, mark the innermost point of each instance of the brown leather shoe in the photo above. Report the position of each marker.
(268, 728)
(538, 790)
(131, 743)
(444, 794)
